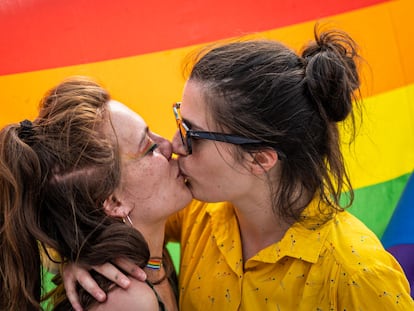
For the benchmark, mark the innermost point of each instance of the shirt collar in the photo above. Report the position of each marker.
(303, 240)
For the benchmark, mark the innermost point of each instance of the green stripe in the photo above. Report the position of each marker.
(374, 205)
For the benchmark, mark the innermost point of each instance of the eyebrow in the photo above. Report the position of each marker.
(192, 126)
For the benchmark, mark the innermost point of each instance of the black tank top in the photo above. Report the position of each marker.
(160, 303)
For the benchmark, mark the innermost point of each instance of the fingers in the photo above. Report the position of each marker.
(73, 274)
(71, 292)
(109, 271)
(131, 268)
(88, 283)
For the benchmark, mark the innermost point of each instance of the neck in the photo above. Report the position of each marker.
(259, 226)
(259, 222)
(154, 235)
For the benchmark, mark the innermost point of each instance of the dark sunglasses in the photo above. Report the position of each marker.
(187, 134)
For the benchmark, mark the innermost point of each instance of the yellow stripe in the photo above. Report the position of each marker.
(147, 83)
(384, 147)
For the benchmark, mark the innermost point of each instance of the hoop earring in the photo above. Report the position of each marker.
(127, 218)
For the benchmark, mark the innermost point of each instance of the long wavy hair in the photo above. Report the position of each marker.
(55, 174)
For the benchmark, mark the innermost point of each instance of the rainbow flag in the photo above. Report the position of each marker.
(135, 49)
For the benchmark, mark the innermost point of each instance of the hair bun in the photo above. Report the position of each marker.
(331, 73)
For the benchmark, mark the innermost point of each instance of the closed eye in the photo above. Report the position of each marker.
(151, 148)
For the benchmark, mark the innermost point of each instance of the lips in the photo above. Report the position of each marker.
(186, 180)
(180, 173)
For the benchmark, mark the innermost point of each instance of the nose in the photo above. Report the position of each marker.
(164, 146)
(177, 145)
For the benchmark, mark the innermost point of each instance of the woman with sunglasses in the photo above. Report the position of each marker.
(258, 134)
(82, 179)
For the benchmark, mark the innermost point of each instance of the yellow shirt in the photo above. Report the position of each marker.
(337, 266)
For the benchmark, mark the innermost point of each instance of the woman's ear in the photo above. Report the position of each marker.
(113, 207)
(263, 161)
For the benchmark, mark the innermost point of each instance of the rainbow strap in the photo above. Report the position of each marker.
(154, 263)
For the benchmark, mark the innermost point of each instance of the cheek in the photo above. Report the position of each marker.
(209, 158)
(140, 176)
(205, 168)
(212, 173)
(195, 164)
(154, 173)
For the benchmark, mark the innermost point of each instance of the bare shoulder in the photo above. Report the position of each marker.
(139, 296)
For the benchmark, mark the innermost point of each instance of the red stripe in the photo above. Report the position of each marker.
(41, 34)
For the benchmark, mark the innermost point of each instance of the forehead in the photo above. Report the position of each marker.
(129, 127)
(121, 113)
(193, 106)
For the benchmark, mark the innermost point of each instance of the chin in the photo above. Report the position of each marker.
(197, 194)
(201, 196)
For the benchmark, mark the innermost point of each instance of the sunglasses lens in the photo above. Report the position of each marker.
(183, 132)
(184, 138)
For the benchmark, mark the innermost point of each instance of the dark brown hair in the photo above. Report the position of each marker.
(55, 175)
(291, 102)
